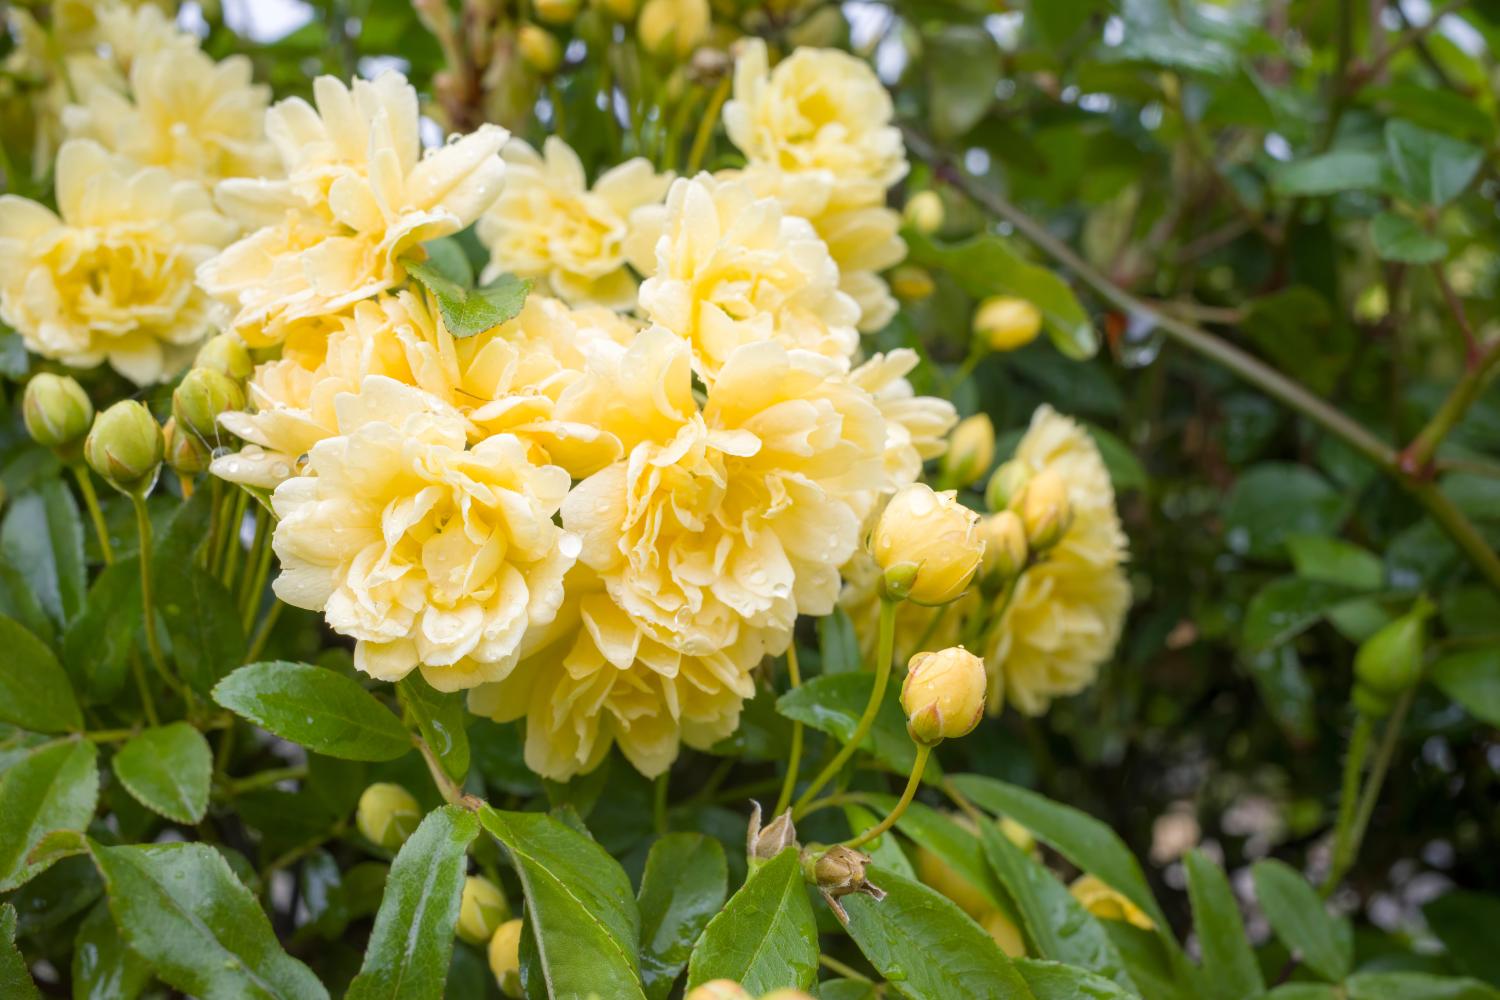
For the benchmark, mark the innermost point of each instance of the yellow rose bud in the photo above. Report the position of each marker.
(1006, 484)
(673, 28)
(125, 447)
(971, 451)
(539, 49)
(555, 11)
(719, 989)
(1107, 904)
(924, 212)
(1004, 323)
(185, 453)
(228, 354)
(943, 694)
(481, 910)
(911, 283)
(1005, 932)
(387, 814)
(505, 957)
(57, 411)
(203, 394)
(1045, 509)
(788, 993)
(1018, 834)
(620, 10)
(933, 871)
(1005, 548)
(927, 544)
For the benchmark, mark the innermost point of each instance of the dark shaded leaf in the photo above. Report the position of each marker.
(42, 537)
(34, 689)
(1472, 678)
(684, 885)
(208, 640)
(104, 967)
(833, 703)
(1230, 971)
(1299, 919)
(15, 978)
(441, 719)
(54, 787)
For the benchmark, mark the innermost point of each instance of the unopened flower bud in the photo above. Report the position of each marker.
(185, 453)
(125, 447)
(57, 412)
(719, 989)
(673, 28)
(788, 993)
(539, 49)
(1004, 932)
(911, 283)
(971, 451)
(555, 11)
(943, 694)
(227, 354)
(840, 871)
(1107, 903)
(505, 957)
(387, 814)
(1004, 323)
(1045, 510)
(203, 394)
(1006, 484)
(924, 212)
(764, 843)
(930, 542)
(620, 10)
(481, 910)
(1005, 548)
(1390, 661)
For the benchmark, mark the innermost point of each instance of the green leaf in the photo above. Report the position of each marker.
(1300, 920)
(467, 311)
(42, 537)
(1333, 560)
(684, 885)
(1229, 968)
(441, 719)
(883, 850)
(1431, 168)
(1306, 991)
(986, 265)
(98, 641)
(1283, 685)
(168, 770)
(1465, 922)
(833, 703)
(927, 946)
(1056, 981)
(766, 937)
(447, 258)
(316, 707)
(412, 941)
(104, 967)
(1147, 960)
(579, 906)
(1283, 609)
(838, 644)
(1056, 923)
(54, 787)
(181, 908)
(958, 848)
(1077, 836)
(19, 601)
(964, 64)
(204, 624)
(34, 689)
(1415, 986)
(1274, 501)
(1472, 678)
(1397, 237)
(1330, 173)
(15, 980)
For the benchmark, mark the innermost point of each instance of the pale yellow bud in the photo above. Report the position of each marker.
(1005, 548)
(505, 957)
(971, 451)
(555, 11)
(481, 910)
(184, 452)
(1018, 834)
(539, 49)
(911, 283)
(943, 694)
(1005, 933)
(57, 412)
(228, 354)
(1045, 509)
(1004, 323)
(125, 447)
(203, 394)
(930, 542)
(1108, 904)
(387, 814)
(788, 993)
(924, 212)
(620, 10)
(673, 28)
(1006, 484)
(719, 989)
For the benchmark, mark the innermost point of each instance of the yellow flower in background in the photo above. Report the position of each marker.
(819, 109)
(549, 225)
(358, 193)
(426, 552)
(734, 269)
(916, 426)
(110, 278)
(1108, 904)
(1067, 611)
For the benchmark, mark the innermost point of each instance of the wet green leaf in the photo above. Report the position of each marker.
(15, 978)
(316, 707)
(765, 938)
(684, 885)
(42, 537)
(441, 719)
(34, 689)
(1229, 969)
(208, 640)
(168, 770)
(833, 704)
(1299, 919)
(467, 311)
(104, 967)
(54, 787)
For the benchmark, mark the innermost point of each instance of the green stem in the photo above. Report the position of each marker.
(840, 969)
(1383, 757)
(867, 720)
(1414, 460)
(794, 762)
(1354, 765)
(660, 788)
(706, 126)
(96, 513)
(231, 561)
(257, 568)
(138, 671)
(913, 781)
(264, 632)
(451, 792)
(109, 735)
(148, 597)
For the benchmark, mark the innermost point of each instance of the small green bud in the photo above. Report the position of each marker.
(227, 354)
(1006, 484)
(1390, 661)
(387, 814)
(125, 447)
(203, 394)
(57, 411)
(185, 453)
(481, 910)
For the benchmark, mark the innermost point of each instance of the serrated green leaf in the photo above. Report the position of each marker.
(684, 885)
(34, 690)
(468, 311)
(412, 942)
(441, 719)
(766, 937)
(168, 770)
(181, 908)
(42, 537)
(15, 979)
(1330, 173)
(1431, 168)
(316, 707)
(833, 703)
(1333, 560)
(54, 787)
(1399, 238)
(958, 848)
(1300, 921)
(208, 640)
(1230, 971)
(104, 967)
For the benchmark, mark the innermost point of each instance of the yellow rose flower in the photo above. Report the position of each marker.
(927, 544)
(547, 224)
(111, 279)
(819, 109)
(733, 269)
(426, 552)
(1108, 904)
(358, 193)
(916, 426)
(1067, 611)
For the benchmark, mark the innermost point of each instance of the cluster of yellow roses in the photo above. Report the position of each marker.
(603, 514)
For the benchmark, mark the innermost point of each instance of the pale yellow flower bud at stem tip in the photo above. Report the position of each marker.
(1005, 323)
(555, 11)
(125, 447)
(911, 283)
(539, 48)
(387, 814)
(924, 212)
(505, 957)
(481, 910)
(719, 989)
(927, 544)
(1006, 484)
(1005, 548)
(943, 694)
(673, 28)
(57, 411)
(228, 354)
(1045, 509)
(971, 451)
